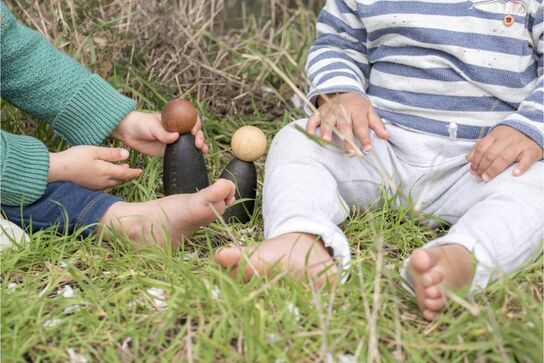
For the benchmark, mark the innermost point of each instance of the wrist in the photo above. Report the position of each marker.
(53, 174)
(60, 167)
(119, 132)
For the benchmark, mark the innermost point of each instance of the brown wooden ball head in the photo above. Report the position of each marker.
(179, 115)
(248, 143)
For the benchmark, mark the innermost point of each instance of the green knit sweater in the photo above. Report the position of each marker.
(37, 78)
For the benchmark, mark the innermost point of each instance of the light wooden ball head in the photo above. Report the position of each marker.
(248, 143)
(179, 115)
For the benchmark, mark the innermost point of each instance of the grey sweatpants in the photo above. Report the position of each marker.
(309, 188)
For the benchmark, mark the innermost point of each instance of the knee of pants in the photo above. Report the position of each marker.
(292, 145)
(527, 189)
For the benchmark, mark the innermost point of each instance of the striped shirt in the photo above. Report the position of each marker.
(434, 65)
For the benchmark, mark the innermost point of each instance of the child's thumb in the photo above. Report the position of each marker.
(165, 136)
(112, 154)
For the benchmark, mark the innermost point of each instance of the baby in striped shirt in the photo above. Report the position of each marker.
(441, 103)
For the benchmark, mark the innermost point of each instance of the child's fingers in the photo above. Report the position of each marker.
(111, 154)
(346, 130)
(526, 159)
(200, 142)
(376, 124)
(500, 163)
(360, 125)
(197, 127)
(493, 152)
(120, 172)
(479, 152)
(158, 132)
(313, 123)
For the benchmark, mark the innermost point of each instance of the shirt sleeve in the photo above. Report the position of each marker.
(49, 85)
(529, 118)
(338, 61)
(24, 168)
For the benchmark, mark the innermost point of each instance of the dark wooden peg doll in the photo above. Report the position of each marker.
(184, 167)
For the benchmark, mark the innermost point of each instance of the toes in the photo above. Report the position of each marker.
(221, 190)
(433, 292)
(421, 260)
(431, 278)
(434, 304)
(228, 257)
(429, 314)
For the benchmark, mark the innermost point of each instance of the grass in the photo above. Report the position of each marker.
(150, 305)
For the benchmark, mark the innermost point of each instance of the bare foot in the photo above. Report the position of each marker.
(174, 216)
(435, 268)
(299, 254)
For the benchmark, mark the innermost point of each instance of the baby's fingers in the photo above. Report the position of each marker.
(122, 172)
(376, 124)
(498, 165)
(360, 125)
(313, 123)
(526, 159)
(345, 129)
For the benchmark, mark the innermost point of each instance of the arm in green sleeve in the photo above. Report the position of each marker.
(45, 83)
(24, 168)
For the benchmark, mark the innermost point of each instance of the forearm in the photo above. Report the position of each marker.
(51, 86)
(337, 61)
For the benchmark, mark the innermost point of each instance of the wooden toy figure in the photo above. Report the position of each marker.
(184, 167)
(248, 144)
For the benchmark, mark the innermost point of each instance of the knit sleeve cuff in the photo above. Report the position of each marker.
(314, 93)
(527, 129)
(92, 113)
(24, 171)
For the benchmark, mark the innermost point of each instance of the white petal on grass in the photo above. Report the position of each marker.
(297, 101)
(156, 292)
(51, 323)
(266, 90)
(292, 308)
(12, 285)
(159, 298)
(248, 230)
(106, 273)
(72, 309)
(346, 358)
(131, 303)
(66, 292)
(75, 357)
(272, 337)
(62, 264)
(215, 292)
(190, 256)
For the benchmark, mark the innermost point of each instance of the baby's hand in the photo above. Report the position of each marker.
(145, 133)
(351, 114)
(499, 149)
(91, 167)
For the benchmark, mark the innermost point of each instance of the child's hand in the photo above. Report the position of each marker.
(351, 114)
(91, 167)
(499, 149)
(145, 133)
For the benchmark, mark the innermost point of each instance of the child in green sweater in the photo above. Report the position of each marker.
(41, 189)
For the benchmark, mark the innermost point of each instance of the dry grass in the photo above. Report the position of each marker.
(165, 49)
(157, 50)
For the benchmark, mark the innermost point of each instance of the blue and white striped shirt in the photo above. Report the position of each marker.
(431, 64)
